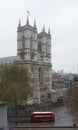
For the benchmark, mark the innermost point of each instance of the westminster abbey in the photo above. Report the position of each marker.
(34, 51)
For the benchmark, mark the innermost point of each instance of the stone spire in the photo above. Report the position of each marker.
(49, 31)
(19, 25)
(35, 24)
(43, 28)
(27, 23)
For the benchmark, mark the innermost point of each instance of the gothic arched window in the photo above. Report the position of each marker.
(22, 55)
(31, 42)
(40, 73)
(23, 42)
(39, 46)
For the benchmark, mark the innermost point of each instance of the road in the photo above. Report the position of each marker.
(62, 118)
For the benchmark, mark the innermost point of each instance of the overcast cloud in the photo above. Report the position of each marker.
(60, 15)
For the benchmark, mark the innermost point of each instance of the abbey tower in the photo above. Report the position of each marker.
(34, 51)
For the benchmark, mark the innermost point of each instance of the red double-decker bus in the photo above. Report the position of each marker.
(42, 116)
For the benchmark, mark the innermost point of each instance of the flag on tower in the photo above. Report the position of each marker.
(28, 12)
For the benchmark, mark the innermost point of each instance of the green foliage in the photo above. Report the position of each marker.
(11, 105)
(14, 83)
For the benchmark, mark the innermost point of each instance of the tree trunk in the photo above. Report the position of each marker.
(16, 111)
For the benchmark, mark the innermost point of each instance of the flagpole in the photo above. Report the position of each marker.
(28, 13)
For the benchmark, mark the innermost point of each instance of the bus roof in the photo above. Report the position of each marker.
(42, 112)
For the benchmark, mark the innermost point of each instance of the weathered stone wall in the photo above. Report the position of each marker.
(3, 116)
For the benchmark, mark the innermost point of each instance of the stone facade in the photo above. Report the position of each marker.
(34, 51)
(3, 116)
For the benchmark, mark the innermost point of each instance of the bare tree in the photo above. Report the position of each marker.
(72, 100)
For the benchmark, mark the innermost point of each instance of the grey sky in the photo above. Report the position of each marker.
(60, 15)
